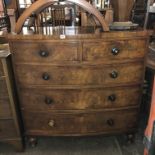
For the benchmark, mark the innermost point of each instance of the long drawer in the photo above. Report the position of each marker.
(113, 50)
(85, 75)
(49, 123)
(7, 129)
(5, 109)
(45, 51)
(71, 99)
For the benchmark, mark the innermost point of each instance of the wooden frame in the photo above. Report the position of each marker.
(17, 140)
(41, 4)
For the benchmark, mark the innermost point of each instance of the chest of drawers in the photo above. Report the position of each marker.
(80, 86)
(9, 123)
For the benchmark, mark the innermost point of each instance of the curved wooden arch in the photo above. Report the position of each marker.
(40, 4)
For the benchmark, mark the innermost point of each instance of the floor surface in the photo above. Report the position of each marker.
(96, 145)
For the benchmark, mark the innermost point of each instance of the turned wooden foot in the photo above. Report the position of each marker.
(130, 138)
(32, 141)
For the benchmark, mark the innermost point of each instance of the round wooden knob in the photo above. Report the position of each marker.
(112, 97)
(48, 100)
(43, 53)
(51, 123)
(46, 76)
(115, 51)
(110, 122)
(114, 74)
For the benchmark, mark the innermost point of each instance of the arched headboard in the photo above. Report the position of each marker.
(41, 4)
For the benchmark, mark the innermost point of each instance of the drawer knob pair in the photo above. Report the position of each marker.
(115, 51)
(46, 76)
(43, 53)
(48, 100)
(51, 123)
(112, 98)
(110, 122)
(114, 74)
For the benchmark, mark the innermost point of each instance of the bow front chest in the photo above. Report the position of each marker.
(80, 85)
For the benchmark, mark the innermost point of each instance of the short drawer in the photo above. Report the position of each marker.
(1, 69)
(5, 109)
(124, 73)
(3, 88)
(85, 75)
(113, 50)
(68, 99)
(50, 123)
(45, 52)
(7, 129)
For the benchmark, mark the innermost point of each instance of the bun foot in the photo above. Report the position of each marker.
(130, 138)
(32, 141)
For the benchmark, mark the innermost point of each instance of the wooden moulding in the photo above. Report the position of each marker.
(41, 4)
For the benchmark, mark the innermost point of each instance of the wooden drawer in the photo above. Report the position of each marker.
(49, 123)
(42, 52)
(131, 72)
(1, 69)
(48, 75)
(3, 88)
(7, 129)
(5, 109)
(49, 99)
(113, 50)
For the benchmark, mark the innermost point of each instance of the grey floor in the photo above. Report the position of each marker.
(96, 145)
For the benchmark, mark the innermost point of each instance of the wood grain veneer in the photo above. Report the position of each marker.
(79, 123)
(79, 99)
(64, 84)
(77, 79)
(83, 75)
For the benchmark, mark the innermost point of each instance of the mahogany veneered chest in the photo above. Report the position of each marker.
(82, 84)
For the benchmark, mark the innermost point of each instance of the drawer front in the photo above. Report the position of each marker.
(5, 110)
(133, 72)
(3, 88)
(48, 75)
(1, 69)
(7, 129)
(79, 123)
(48, 99)
(129, 49)
(42, 52)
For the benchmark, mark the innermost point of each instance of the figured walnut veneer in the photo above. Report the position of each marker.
(80, 85)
